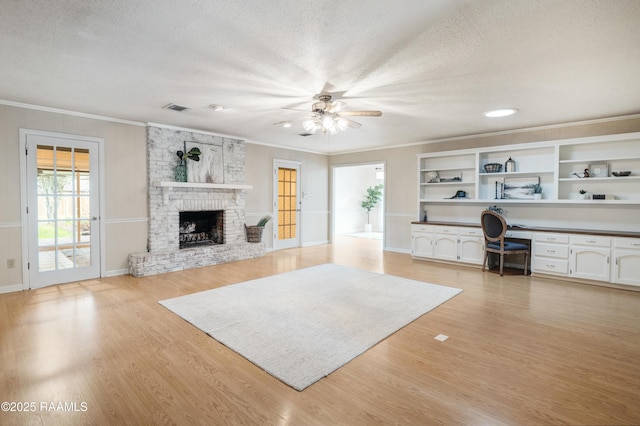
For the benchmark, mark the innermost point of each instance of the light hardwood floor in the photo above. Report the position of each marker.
(521, 350)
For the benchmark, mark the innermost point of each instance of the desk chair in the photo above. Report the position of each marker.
(494, 228)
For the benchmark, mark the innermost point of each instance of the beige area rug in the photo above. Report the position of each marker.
(302, 325)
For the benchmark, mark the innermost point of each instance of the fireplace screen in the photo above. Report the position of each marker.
(201, 228)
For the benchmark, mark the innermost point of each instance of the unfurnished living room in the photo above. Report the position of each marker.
(320, 213)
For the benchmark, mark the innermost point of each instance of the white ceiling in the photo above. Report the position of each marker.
(433, 67)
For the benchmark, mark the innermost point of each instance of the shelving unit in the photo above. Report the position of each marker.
(437, 174)
(557, 165)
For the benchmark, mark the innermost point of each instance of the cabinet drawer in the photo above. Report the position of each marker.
(559, 251)
(591, 240)
(555, 266)
(551, 238)
(422, 228)
(473, 232)
(632, 243)
(451, 230)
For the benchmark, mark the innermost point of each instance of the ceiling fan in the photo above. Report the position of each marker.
(328, 116)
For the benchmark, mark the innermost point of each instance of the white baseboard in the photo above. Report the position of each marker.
(116, 272)
(11, 288)
(397, 250)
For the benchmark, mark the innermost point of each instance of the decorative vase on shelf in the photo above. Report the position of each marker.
(181, 172)
(510, 166)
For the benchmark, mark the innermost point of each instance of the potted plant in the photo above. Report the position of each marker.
(181, 169)
(537, 191)
(583, 194)
(371, 199)
(496, 209)
(254, 232)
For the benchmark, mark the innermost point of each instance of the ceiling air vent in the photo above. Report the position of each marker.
(176, 107)
(304, 134)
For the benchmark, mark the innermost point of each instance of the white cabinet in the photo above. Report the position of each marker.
(550, 253)
(590, 257)
(422, 241)
(471, 245)
(625, 267)
(445, 243)
(450, 243)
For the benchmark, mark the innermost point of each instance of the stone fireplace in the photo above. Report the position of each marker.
(171, 204)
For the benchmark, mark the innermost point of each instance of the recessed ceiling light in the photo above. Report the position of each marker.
(286, 124)
(502, 112)
(216, 107)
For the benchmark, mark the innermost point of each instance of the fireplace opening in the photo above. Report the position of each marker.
(201, 228)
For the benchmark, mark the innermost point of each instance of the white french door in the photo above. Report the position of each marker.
(286, 195)
(63, 208)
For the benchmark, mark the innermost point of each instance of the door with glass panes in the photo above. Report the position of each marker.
(62, 209)
(287, 205)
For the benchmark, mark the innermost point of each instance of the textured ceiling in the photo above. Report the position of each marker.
(432, 67)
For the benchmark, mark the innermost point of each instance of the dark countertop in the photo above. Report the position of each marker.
(541, 229)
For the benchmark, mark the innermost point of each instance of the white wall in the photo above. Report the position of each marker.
(350, 184)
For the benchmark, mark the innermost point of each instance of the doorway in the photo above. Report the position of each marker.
(350, 185)
(61, 226)
(287, 204)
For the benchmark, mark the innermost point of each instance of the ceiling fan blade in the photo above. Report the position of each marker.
(352, 124)
(295, 109)
(361, 113)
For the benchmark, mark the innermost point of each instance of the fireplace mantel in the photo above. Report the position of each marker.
(168, 184)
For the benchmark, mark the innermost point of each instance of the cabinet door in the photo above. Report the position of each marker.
(591, 263)
(445, 247)
(471, 250)
(626, 267)
(421, 244)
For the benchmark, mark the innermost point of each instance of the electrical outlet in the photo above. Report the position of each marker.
(11, 263)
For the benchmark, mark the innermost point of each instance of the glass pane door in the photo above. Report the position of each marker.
(63, 200)
(287, 196)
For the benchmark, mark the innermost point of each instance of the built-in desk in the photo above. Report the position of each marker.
(595, 256)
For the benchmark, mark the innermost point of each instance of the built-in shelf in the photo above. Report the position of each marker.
(167, 184)
(556, 165)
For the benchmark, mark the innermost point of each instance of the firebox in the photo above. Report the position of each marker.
(201, 228)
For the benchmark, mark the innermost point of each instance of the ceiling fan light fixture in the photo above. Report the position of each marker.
(216, 108)
(311, 125)
(502, 112)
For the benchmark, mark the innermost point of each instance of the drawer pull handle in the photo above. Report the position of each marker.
(591, 241)
(550, 239)
(551, 251)
(635, 244)
(551, 266)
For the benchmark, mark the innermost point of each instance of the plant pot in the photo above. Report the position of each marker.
(368, 227)
(537, 196)
(181, 172)
(254, 233)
